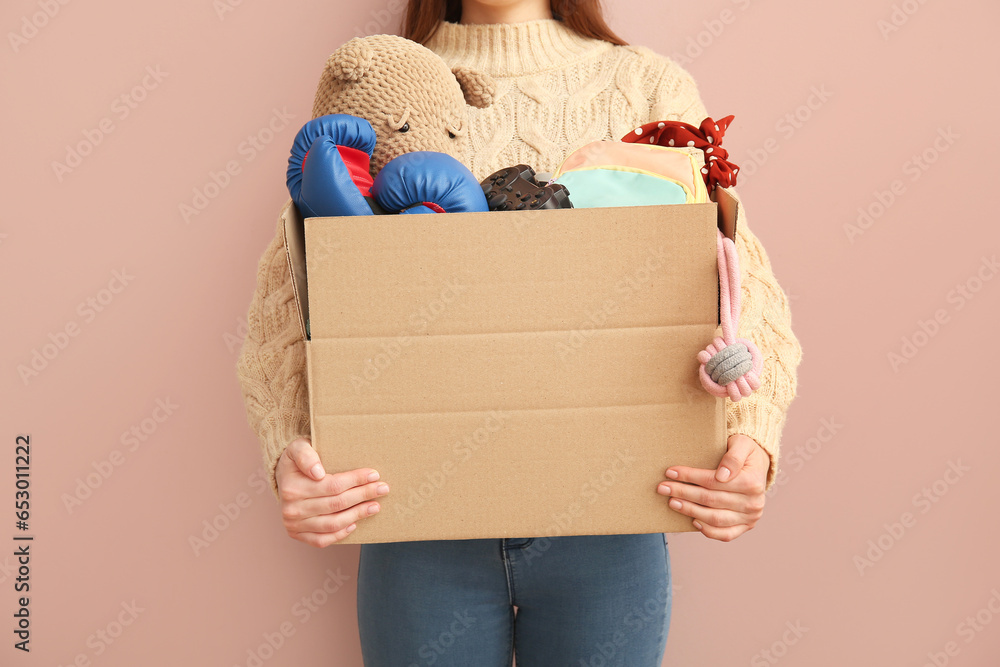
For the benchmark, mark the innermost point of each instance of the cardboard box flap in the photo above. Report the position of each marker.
(295, 254)
(570, 270)
(729, 207)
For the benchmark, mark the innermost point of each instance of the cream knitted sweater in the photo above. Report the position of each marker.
(556, 92)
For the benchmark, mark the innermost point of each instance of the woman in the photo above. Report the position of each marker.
(564, 79)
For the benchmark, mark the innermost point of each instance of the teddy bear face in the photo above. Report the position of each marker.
(408, 94)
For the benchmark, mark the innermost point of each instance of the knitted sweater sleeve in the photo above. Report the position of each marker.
(765, 316)
(272, 361)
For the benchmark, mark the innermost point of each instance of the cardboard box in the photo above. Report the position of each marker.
(512, 374)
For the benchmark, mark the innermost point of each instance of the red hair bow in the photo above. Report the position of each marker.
(708, 137)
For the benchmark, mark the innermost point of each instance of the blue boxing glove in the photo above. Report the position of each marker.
(328, 169)
(427, 182)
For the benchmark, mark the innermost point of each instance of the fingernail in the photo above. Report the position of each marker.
(373, 475)
(696, 525)
(372, 509)
(665, 489)
(317, 471)
(676, 504)
(723, 474)
(672, 474)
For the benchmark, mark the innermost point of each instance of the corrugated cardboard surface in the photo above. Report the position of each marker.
(512, 374)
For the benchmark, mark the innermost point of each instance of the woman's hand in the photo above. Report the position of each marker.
(728, 501)
(318, 508)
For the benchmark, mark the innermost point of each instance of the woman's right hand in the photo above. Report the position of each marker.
(319, 508)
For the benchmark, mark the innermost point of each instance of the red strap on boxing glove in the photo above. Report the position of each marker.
(358, 165)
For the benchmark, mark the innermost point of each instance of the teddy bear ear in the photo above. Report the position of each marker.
(351, 61)
(478, 87)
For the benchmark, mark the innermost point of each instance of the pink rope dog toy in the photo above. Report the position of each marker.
(730, 366)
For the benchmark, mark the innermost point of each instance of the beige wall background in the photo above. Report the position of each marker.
(866, 132)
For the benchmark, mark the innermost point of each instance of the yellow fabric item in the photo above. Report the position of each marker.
(678, 165)
(556, 91)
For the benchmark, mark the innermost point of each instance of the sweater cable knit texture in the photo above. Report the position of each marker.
(556, 91)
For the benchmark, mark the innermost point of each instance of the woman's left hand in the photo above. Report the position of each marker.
(724, 502)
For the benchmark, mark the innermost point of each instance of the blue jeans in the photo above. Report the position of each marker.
(582, 601)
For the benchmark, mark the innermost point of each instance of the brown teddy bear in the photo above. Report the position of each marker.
(408, 94)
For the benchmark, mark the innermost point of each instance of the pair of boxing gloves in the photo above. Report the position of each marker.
(328, 175)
